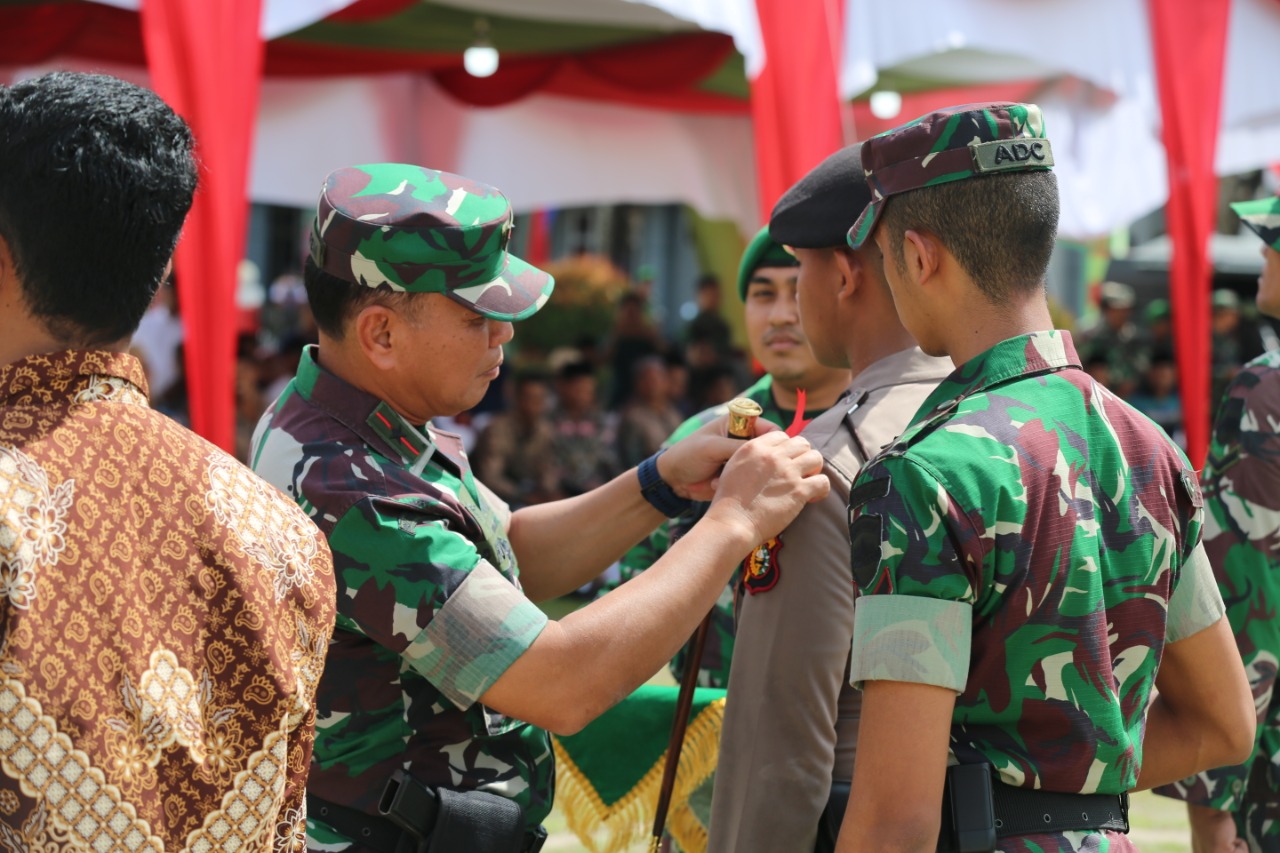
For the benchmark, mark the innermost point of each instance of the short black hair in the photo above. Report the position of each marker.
(1000, 228)
(533, 376)
(575, 369)
(96, 178)
(333, 300)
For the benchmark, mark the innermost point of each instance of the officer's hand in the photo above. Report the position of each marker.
(766, 484)
(691, 465)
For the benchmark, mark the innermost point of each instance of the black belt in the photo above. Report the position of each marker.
(378, 833)
(1024, 811)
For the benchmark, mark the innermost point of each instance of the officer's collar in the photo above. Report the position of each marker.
(366, 415)
(1039, 352)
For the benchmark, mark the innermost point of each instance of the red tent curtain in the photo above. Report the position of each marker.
(1189, 41)
(795, 100)
(206, 60)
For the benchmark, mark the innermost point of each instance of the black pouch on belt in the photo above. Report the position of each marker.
(477, 822)
(442, 821)
(968, 818)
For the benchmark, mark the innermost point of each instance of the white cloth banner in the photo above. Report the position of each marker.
(543, 152)
(279, 17)
(1111, 162)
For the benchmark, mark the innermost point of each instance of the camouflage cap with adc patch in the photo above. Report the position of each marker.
(1263, 216)
(951, 144)
(419, 230)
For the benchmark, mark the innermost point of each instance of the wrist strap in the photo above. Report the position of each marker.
(657, 491)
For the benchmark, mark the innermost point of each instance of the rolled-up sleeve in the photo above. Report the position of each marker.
(915, 605)
(411, 583)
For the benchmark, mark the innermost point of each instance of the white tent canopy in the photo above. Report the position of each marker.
(1093, 58)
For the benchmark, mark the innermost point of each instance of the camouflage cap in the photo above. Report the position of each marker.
(1263, 216)
(423, 231)
(762, 251)
(952, 144)
(1116, 294)
(1225, 298)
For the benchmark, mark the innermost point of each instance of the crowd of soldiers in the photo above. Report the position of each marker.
(979, 597)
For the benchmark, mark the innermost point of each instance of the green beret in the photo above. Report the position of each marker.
(761, 252)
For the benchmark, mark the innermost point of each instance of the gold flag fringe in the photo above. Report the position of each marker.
(615, 828)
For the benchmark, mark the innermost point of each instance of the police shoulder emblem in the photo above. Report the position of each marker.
(760, 571)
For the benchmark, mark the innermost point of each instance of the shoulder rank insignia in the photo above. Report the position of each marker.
(760, 571)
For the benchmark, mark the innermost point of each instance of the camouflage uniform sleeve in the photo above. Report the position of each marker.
(412, 584)
(1242, 543)
(914, 613)
(1196, 603)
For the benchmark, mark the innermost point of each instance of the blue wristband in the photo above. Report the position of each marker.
(657, 491)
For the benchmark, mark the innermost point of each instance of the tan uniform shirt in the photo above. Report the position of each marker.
(164, 616)
(791, 721)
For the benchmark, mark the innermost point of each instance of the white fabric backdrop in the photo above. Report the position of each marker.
(543, 151)
(1099, 98)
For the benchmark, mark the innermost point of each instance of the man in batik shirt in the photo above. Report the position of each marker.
(1242, 538)
(767, 287)
(441, 666)
(1027, 554)
(164, 612)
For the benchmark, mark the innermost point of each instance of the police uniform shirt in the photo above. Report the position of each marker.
(791, 722)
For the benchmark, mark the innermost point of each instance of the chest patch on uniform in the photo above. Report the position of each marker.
(761, 570)
(1192, 487)
(868, 491)
(865, 532)
(864, 549)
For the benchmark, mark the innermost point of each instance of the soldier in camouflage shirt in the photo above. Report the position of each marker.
(767, 287)
(1028, 552)
(1242, 539)
(440, 665)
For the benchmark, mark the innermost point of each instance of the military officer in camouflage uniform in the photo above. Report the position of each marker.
(1231, 805)
(440, 665)
(767, 287)
(1027, 554)
(791, 723)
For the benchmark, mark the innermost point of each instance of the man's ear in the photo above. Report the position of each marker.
(923, 255)
(849, 265)
(374, 329)
(10, 286)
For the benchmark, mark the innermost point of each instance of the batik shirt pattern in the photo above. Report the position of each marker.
(430, 612)
(1021, 544)
(1242, 539)
(164, 617)
(717, 654)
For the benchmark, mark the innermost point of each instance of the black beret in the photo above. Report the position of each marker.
(818, 211)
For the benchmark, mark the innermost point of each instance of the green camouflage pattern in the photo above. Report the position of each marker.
(762, 251)
(430, 612)
(713, 669)
(419, 230)
(1021, 544)
(951, 144)
(1263, 218)
(1242, 538)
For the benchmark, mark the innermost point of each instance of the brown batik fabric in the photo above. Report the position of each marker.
(164, 616)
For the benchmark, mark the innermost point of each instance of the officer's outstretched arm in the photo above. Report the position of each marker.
(581, 666)
(564, 544)
(1203, 716)
(896, 799)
